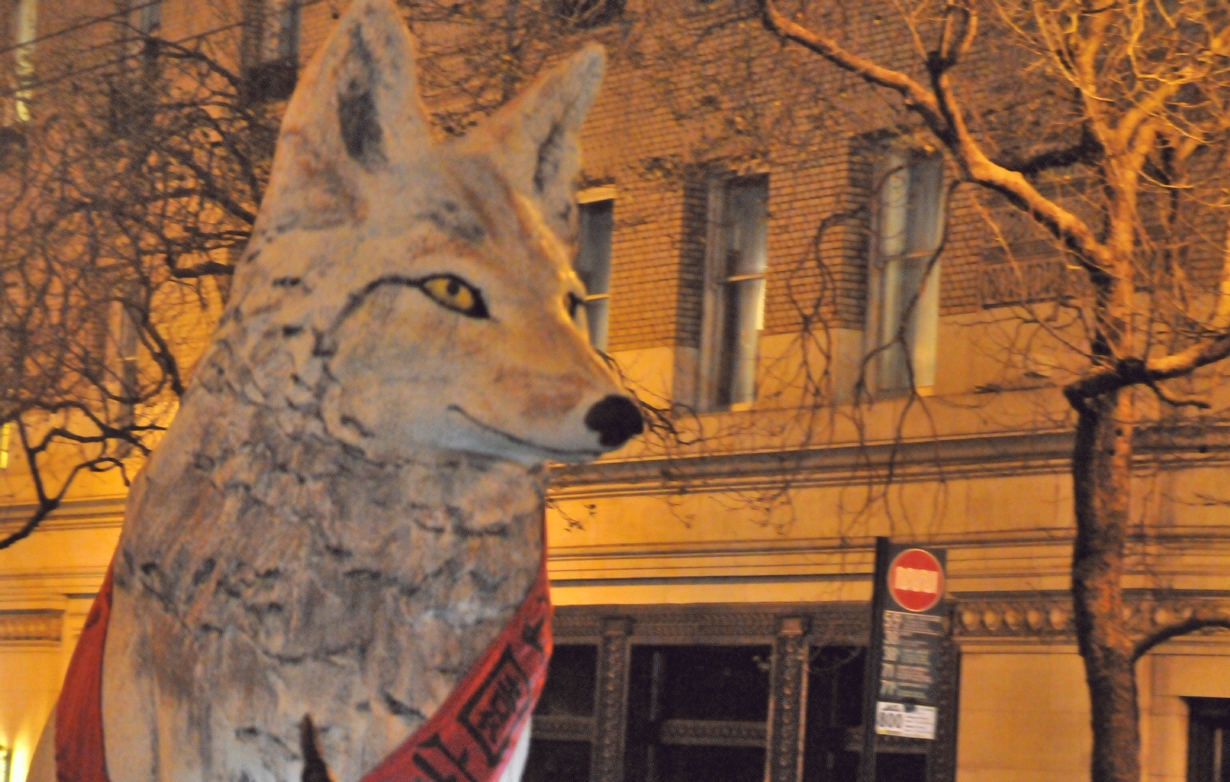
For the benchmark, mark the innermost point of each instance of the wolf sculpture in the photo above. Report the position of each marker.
(348, 508)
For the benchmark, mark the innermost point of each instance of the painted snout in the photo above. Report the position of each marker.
(616, 419)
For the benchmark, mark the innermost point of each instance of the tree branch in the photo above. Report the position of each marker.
(916, 96)
(1146, 644)
(941, 112)
(1086, 150)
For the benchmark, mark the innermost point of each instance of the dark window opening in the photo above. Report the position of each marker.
(270, 81)
(586, 14)
(560, 741)
(1208, 752)
(571, 682)
(557, 761)
(697, 713)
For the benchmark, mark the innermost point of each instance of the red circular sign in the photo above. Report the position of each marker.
(916, 580)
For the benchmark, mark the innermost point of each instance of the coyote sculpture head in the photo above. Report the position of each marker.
(421, 293)
(348, 508)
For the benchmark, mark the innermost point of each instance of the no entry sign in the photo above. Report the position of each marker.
(907, 628)
(916, 580)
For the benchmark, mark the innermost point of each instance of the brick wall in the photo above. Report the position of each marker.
(698, 90)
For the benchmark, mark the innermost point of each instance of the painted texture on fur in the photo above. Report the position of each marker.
(348, 507)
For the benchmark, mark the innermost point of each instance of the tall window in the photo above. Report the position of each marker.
(147, 20)
(127, 343)
(594, 266)
(904, 281)
(1208, 747)
(270, 52)
(734, 295)
(25, 31)
(6, 437)
(147, 16)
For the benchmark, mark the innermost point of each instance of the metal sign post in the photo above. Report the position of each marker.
(903, 656)
(871, 674)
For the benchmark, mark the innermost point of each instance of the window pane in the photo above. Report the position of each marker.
(892, 215)
(23, 56)
(594, 248)
(903, 281)
(571, 679)
(707, 683)
(926, 192)
(746, 224)
(288, 30)
(150, 18)
(744, 311)
(834, 705)
(700, 682)
(910, 224)
(596, 315)
(710, 764)
(557, 761)
(900, 767)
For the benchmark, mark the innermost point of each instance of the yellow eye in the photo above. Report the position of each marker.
(454, 293)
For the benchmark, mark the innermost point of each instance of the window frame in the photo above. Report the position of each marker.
(919, 375)
(714, 336)
(270, 48)
(587, 197)
(24, 32)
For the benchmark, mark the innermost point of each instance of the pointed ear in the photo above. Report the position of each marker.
(355, 114)
(535, 139)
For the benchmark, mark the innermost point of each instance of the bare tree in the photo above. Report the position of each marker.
(128, 189)
(1110, 143)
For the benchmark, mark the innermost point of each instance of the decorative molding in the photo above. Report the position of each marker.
(31, 625)
(831, 624)
(966, 456)
(787, 701)
(610, 723)
(942, 763)
(92, 513)
(892, 745)
(573, 624)
(558, 727)
(1049, 618)
(713, 733)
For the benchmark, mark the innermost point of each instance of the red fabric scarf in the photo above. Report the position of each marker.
(470, 738)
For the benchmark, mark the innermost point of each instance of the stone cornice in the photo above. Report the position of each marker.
(106, 512)
(1048, 617)
(987, 455)
(32, 626)
(1007, 617)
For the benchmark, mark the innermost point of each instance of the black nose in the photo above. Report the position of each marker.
(615, 419)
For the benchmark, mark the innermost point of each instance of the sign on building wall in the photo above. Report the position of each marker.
(904, 658)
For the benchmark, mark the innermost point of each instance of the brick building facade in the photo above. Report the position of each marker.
(753, 224)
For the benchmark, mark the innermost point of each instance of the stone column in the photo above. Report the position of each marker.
(787, 702)
(611, 711)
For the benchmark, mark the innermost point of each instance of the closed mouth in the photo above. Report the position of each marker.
(512, 438)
